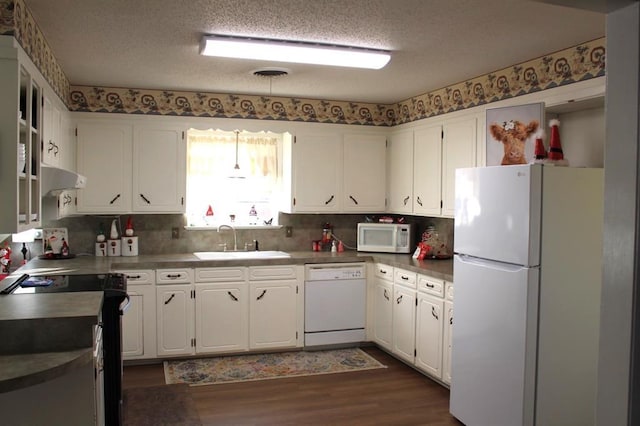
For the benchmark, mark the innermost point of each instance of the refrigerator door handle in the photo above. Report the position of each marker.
(507, 267)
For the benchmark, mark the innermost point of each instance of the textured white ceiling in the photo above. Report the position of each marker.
(153, 44)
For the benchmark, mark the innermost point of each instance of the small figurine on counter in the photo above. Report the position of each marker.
(114, 230)
(64, 251)
(100, 238)
(48, 250)
(129, 229)
(5, 259)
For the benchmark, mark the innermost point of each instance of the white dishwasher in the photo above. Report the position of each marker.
(334, 303)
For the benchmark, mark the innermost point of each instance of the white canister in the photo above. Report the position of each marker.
(129, 246)
(114, 247)
(101, 249)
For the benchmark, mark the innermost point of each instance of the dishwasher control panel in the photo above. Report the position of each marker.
(324, 272)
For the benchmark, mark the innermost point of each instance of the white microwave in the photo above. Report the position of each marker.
(385, 237)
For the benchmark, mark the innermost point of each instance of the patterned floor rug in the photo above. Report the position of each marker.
(230, 369)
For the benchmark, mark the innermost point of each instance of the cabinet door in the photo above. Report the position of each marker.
(175, 319)
(222, 317)
(382, 313)
(104, 157)
(400, 189)
(404, 322)
(429, 334)
(50, 131)
(317, 161)
(427, 171)
(458, 151)
(159, 170)
(446, 355)
(133, 325)
(364, 173)
(273, 314)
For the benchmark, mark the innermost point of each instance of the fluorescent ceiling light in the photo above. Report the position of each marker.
(291, 51)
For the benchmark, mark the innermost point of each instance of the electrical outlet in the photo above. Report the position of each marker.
(288, 231)
(175, 233)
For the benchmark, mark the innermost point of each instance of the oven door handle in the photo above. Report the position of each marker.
(126, 306)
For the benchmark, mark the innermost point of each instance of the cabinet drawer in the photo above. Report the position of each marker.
(261, 273)
(448, 290)
(383, 271)
(431, 285)
(220, 274)
(404, 277)
(173, 276)
(139, 277)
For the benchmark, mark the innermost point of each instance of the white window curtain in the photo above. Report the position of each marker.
(212, 180)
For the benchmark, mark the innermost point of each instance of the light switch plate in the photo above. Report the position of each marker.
(288, 231)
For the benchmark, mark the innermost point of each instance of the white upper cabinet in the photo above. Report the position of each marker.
(104, 158)
(316, 173)
(400, 184)
(427, 170)
(458, 151)
(364, 172)
(131, 168)
(159, 169)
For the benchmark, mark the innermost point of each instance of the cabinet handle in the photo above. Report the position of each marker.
(404, 277)
(235, 299)
(385, 294)
(146, 200)
(51, 146)
(419, 201)
(173, 276)
(114, 199)
(169, 299)
(329, 200)
(354, 200)
(430, 285)
(55, 153)
(399, 299)
(433, 312)
(406, 200)
(451, 321)
(134, 277)
(382, 271)
(261, 294)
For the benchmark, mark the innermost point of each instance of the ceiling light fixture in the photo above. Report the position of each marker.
(236, 173)
(293, 51)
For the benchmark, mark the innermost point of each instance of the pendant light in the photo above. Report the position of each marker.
(236, 173)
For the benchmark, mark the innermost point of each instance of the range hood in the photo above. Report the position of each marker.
(56, 179)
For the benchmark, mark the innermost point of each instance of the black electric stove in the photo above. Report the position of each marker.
(114, 303)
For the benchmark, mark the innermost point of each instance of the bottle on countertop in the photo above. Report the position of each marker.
(334, 247)
(64, 251)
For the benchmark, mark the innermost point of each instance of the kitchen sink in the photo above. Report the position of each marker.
(231, 255)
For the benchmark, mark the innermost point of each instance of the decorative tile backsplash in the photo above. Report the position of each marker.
(567, 66)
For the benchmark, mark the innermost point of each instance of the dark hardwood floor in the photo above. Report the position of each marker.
(397, 395)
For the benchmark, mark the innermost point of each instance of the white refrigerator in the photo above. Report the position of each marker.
(527, 278)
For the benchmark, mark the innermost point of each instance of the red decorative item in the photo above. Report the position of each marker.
(209, 211)
(555, 147)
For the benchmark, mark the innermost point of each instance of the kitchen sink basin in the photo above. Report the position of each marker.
(232, 255)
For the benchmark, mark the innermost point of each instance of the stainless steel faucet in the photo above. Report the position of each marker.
(235, 238)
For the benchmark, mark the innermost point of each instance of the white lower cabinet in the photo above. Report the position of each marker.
(412, 316)
(175, 310)
(221, 310)
(139, 318)
(429, 334)
(448, 328)
(404, 314)
(275, 306)
(382, 312)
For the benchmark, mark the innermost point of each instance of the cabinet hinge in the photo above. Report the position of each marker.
(416, 302)
(442, 134)
(296, 335)
(58, 202)
(295, 139)
(386, 143)
(182, 201)
(441, 204)
(183, 135)
(193, 342)
(415, 352)
(294, 201)
(296, 289)
(76, 132)
(75, 201)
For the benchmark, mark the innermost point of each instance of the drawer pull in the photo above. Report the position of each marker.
(173, 276)
(404, 277)
(382, 271)
(134, 277)
(170, 299)
(261, 295)
(433, 312)
(235, 299)
(430, 285)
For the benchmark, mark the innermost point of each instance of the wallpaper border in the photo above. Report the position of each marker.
(571, 65)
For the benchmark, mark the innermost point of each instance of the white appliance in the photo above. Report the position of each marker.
(527, 276)
(385, 237)
(334, 304)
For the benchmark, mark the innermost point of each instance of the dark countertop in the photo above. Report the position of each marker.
(440, 269)
(35, 357)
